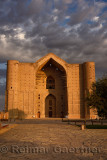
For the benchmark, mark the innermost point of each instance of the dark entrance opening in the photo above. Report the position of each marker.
(50, 113)
(50, 106)
(38, 115)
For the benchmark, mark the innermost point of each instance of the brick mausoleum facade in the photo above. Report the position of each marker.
(50, 87)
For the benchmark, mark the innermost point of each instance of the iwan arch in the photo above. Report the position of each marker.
(50, 87)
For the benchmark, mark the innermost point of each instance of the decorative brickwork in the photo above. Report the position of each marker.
(49, 87)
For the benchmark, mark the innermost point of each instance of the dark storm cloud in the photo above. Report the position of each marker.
(17, 11)
(2, 91)
(2, 87)
(3, 73)
(74, 30)
(41, 24)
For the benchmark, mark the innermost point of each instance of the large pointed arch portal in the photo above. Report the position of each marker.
(51, 80)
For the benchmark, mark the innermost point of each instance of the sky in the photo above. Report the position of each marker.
(74, 30)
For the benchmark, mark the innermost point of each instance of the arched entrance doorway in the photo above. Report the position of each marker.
(50, 106)
(51, 80)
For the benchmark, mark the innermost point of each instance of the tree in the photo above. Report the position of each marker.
(97, 98)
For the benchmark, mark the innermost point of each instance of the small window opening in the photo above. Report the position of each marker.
(50, 83)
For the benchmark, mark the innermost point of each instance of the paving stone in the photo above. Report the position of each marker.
(53, 141)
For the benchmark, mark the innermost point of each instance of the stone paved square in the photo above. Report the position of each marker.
(50, 139)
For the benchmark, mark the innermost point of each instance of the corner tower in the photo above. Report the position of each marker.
(89, 78)
(12, 88)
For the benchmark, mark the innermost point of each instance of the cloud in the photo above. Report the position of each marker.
(2, 73)
(100, 26)
(95, 19)
(74, 30)
(2, 99)
(68, 1)
(32, 31)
